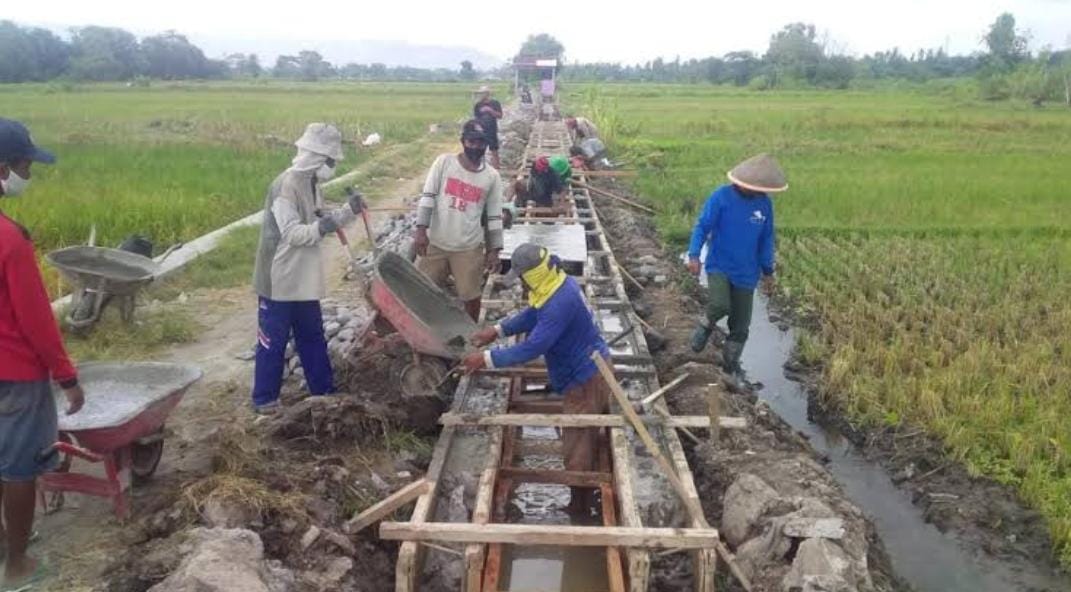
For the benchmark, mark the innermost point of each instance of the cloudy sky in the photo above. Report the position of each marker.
(593, 30)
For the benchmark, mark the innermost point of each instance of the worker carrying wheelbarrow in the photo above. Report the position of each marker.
(560, 328)
(737, 225)
(289, 276)
(31, 355)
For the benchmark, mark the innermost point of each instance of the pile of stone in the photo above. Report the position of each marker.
(794, 543)
(343, 325)
(648, 270)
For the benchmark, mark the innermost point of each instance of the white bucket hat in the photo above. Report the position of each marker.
(323, 139)
(759, 173)
(484, 89)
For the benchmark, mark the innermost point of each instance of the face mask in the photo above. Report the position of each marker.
(325, 172)
(14, 185)
(475, 155)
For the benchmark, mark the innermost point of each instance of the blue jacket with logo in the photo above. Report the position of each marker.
(740, 231)
(562, 331)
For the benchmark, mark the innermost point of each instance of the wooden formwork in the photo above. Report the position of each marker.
(628, 568)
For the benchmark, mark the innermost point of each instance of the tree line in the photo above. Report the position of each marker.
(796, 57)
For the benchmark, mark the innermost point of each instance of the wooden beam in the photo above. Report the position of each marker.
(550, 534)
(714, 411)
(561, 420)
(475, 554)
(387, 506)
(555, 477)
(651, 398)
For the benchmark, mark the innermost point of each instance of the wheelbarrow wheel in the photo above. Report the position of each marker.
(422, 377)
(145, 457)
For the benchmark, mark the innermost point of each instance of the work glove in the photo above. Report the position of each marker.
(327, 225)
(356, 200)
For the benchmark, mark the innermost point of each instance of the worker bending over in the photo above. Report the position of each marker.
(547, 185)
(289, 275)
(560, 328)
(459, 219)
(737, 225)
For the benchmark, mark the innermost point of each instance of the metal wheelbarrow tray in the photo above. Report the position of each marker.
(98, 271)
(120, 426)
(429, 320)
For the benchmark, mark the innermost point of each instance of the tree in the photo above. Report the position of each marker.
(104, 53)
(287, 66)
(313, 66)
(170, 56)
(1007, 47)
(542, 46)
(467, 71)
(794, 54)
(30, 54)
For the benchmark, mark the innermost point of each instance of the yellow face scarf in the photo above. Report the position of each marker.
(542, 281)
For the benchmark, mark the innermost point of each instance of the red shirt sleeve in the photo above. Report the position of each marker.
(33, 313)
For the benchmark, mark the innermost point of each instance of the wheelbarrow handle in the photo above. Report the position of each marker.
(68, 449)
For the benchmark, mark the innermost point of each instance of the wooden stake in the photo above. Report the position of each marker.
(549, 534)
(714, 410)
(592, 420)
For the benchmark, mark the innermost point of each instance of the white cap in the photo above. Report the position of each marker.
(323, 139)
(484, 89)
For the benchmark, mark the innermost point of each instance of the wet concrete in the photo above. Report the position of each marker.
(116, 393)
(927, 559)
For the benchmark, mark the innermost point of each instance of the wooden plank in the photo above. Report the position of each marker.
(387, 506)
(651, 398)
(561, 420)
(492, 570)
(556, 477)
(714, 411)
(481, 513)
(550, 534)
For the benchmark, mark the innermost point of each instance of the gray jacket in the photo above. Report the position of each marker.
(289, 264)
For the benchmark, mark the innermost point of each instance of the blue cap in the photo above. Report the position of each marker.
(16, 144)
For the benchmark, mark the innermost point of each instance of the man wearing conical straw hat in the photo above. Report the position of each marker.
(737, 226)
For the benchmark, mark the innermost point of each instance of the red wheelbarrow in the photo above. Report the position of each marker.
(428, 319)
(121, 426)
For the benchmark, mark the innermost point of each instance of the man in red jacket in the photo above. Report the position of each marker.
(31, 355)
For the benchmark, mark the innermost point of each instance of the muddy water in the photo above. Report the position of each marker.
(538, 568)
(929, 560)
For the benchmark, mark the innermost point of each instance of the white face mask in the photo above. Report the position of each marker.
(14, 185)
(325, 172)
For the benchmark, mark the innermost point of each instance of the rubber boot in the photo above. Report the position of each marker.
(700, 337)
(730, 355)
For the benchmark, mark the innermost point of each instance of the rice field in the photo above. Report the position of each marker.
(174, 160)
(928, 239)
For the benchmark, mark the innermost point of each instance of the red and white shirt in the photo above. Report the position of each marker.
(456, 203)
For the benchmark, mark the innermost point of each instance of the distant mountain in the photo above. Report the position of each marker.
(339, 52)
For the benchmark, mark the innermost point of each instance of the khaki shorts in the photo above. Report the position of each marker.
(465, 266)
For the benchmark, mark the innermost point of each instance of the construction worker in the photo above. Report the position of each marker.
(581, 128)
(289, 277)
(547, 184)
(737, 225)
(459, 219)
(31, 357)
(488, 111)
(560, 328)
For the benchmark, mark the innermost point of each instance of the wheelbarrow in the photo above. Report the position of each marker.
(434, 325)
(121, 426)
(97, 272)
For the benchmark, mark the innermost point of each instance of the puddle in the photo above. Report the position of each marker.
(927, 559)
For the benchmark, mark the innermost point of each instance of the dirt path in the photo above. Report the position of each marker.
(83, 539)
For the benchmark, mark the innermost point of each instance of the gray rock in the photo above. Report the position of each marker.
(223, 560)
(310, 537)
(820, 566)
(344, 316)
(331, 328)
(339, 540)
(331, 577)
(290, 349)
(293, 363)
(746, 500)
(346, 334)
(814, 528)
(224, 514)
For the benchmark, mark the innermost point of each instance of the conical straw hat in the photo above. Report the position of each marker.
(759, 173)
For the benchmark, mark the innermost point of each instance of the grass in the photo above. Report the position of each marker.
(926, 236)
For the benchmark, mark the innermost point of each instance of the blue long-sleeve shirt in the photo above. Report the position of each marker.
(563, 331)
(741, 234)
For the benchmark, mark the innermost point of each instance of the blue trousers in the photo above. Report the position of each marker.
(276, 321)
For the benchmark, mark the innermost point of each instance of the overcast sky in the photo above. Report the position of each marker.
(593, 30)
